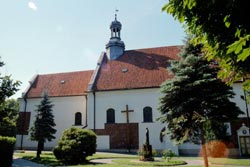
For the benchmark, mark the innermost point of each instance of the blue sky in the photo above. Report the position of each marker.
(52, 36)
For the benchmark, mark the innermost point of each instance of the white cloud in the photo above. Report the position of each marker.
(32, 6)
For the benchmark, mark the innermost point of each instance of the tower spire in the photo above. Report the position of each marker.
(115, 47)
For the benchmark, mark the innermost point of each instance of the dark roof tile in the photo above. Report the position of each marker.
(143, 68)
(60, 84)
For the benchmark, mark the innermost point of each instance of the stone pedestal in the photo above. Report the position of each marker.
(147, 153)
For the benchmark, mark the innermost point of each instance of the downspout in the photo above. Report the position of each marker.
(94, 110)
(23, 122)
(91, 86)
(245, 99)
(25, 106)
(86, 116)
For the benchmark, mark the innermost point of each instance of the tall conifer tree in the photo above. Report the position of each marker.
(194, 97)
(43, 127)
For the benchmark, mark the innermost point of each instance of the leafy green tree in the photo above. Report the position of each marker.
(194, 97)
(223, 27)
(43, 127)
(13, 106)
(8, 116)
(8, 87)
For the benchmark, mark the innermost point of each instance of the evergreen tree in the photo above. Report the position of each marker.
(194, 97)
(43, 127)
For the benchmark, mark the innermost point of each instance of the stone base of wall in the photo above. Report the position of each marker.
(189, 152)
(232, 152)
(122, 135)
(121, 151)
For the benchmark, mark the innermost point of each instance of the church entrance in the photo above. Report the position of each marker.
(122, 135)
(244, 140)
(119, 138)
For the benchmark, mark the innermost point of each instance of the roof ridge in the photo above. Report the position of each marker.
(70, 72)
(154, 48)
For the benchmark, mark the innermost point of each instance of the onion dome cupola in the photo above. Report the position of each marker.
(115, 47)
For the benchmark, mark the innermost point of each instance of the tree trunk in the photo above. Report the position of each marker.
(39, 149)
(204, 149)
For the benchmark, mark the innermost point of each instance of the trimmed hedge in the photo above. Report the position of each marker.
(75, 145)
(6, 150)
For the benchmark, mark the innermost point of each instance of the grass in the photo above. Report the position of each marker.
(47, 159)
(124, 160)
(120, 160)
(230, 161)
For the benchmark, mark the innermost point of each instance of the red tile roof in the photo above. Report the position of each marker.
(61, 84)
(143, 68)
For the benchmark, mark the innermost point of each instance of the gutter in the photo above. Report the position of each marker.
(24, 96)
(94, 111)
(92, 82)
(86, 108)
(23, 122)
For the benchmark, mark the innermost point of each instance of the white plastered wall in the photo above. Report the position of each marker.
(64, 110)
(237, 88)
(136, 100)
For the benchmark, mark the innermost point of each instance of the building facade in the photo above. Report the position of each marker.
(118, 100)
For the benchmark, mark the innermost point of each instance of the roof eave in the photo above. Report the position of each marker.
(118, 89)
(95, 73)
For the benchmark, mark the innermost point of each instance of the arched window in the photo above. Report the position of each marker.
(78, 118)
(147, 114)
(110, 115)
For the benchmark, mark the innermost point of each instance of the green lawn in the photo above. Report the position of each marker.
(123, 160)
(230, 161)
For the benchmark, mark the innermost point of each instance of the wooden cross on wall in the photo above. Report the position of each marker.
(127, 111)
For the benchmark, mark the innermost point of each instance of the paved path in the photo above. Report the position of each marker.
(109, 161)
(18, 162)
(193, 162)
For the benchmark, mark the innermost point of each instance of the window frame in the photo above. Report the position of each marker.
(110, 116)
(78, 119)
(147, 114)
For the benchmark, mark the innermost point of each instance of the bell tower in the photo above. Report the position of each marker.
(115, 47)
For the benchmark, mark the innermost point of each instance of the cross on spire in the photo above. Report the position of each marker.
(116, 11)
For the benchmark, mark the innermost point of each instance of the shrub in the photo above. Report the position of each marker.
(168, 154)
(75, 145)
(6, 150)
(216, 148)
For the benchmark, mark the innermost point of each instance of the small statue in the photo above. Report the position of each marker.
(147, 149)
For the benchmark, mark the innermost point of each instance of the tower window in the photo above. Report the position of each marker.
(78, 118)
(110, 115)
(147, 114)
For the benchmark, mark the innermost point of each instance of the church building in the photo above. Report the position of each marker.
(118, 100)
